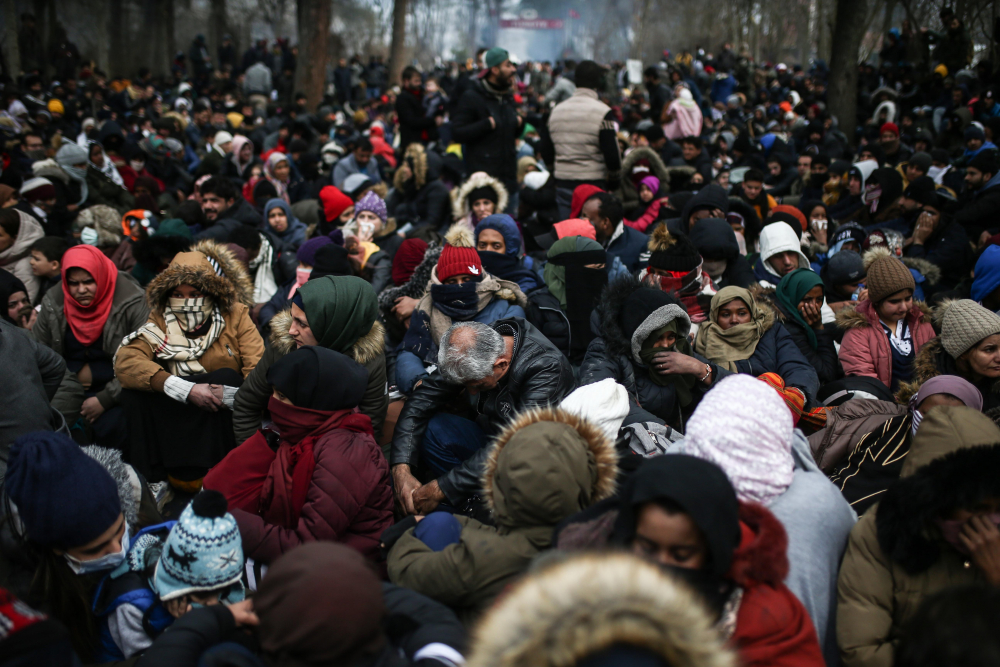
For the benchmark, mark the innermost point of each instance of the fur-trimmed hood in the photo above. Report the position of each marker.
(930, 271)
(460, 207)
(863, 315)
(49, 169)
(546, 465)
(208, 266)
(416, 153)
(629, 193)
(951, 464)
(367, 348)
(932, 360)
(578, 607)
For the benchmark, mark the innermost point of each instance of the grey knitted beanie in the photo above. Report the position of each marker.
(966, 323)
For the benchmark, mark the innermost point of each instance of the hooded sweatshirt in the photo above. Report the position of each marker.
(776, 238)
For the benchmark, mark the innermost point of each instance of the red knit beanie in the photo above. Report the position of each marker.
(889, 127)
(334, 202)
(458, 261)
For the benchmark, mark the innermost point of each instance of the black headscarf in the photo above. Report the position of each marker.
(305, 377)
(700, 488)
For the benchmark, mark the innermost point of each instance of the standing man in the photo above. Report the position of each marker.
(582, 143)
(487, 125)
(415, 126)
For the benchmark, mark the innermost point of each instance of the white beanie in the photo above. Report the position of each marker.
(603, 403)
(535, 179)
(222, 137)
(745, 428)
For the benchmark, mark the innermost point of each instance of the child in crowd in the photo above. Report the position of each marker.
(46, 263)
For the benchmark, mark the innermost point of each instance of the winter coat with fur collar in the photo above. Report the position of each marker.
(933, 360)
(896, 555)
(532, 481)
(251, 399)
(865, 348)
(238, 347)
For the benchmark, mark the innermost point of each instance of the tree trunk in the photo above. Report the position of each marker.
(117, 56)
(847, 34)
(314, 36)
(170, 41)
(397, 50)
(11, 53)
(217, 28)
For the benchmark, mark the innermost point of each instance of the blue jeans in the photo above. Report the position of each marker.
(449, 441)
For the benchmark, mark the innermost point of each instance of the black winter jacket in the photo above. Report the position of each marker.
(486, 148)
(824, 358)
(981, 211)
(412, 622)
(413, 123)
(610, 356)
(778, 353)
(539, 376)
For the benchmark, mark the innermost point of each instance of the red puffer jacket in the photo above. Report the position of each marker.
(349, 500)
(772, 626)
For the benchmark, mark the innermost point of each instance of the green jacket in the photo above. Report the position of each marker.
(545, 466)
(129, 311)
(896, 555)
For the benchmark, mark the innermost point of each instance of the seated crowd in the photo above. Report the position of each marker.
(347, 387)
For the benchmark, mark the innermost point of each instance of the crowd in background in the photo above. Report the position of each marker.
(500, 363)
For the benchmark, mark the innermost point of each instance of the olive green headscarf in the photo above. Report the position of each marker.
(726, 347)
(340, 309)
(555, 276)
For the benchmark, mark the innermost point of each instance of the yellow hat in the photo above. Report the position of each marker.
(942, 70)
(235, 119)
(55, 106)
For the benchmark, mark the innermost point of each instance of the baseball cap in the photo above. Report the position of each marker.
(492, 58)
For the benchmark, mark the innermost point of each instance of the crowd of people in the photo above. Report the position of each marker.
(502, 363)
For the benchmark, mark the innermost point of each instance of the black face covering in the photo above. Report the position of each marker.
(711, 588)
(584, 289)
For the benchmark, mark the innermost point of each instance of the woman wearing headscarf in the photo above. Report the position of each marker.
(745, 427)
(683, 514)
(643, 345)
(278, 172)
(320, 604)
(887, 329)
(933, 529)
(88, 183)
(459, 290)
(84, 321)
(99, 161)
(241, 161)
(799, 300)
(563, 314)
(333, 312)
(282, 223)
(181, 369)
(498, 241)
(479, 196)
(742, 336)
(969, 347)
(874, 463)
(327, 480)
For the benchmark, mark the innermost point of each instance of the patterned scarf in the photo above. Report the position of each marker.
(181, 353)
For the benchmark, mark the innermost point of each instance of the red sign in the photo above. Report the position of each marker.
(532, 24)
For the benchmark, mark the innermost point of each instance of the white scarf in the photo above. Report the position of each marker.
(264, 284)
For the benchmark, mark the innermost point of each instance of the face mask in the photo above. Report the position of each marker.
(936, 172)
(714, 267)
(88, 236)
(366, 231)
(329, 158)
(147, 133)
(105, 562)
(76, 173)
(36, 154)
(302, 276)
(137, 165)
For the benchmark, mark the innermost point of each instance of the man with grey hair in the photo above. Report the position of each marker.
(504, 368)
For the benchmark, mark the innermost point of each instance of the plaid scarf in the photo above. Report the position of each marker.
(694, 289)
(181, 353)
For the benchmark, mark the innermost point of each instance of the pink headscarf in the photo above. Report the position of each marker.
(273, 161)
